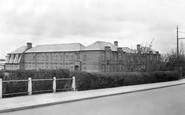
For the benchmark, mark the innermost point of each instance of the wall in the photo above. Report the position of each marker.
(52, 60)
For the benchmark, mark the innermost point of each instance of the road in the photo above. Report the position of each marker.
(163, 101)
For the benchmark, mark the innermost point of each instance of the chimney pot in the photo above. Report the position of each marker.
(150, 52)
(120, 49)
(138, 48)
(116, 43)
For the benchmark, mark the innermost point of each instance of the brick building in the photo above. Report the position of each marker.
(97, 57)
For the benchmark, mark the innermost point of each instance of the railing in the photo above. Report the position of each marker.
(30, 83)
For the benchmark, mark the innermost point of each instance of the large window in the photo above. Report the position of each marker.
(66, 56)
(119, 56)
(84, 57)
(77, 56)
(72, 57)
(103, 55)
(107, 55)
(103, 68)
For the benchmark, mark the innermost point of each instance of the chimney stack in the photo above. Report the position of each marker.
(29, 45)
(116, 43)
(107, 48)
(119, 49)
(150, 52)
(138, 48)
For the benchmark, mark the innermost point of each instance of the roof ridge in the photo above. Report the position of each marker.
(59, 44)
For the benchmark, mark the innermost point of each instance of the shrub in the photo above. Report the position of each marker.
(87, 81)
(13, 87)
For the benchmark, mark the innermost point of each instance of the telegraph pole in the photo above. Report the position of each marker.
(178, 68)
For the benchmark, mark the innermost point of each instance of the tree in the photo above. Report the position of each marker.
(133, 62)
(169, 60)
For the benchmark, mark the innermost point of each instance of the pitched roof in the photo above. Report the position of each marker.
(128, 50)
(19, 50)
(100, 45)
(57, 47)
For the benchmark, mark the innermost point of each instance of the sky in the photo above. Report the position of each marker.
(130, 22)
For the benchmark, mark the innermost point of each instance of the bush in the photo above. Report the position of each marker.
(13, 87)
(87, 81)
(1, 74)
(41, 74)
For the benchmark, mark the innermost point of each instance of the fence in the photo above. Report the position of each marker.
(30, 83)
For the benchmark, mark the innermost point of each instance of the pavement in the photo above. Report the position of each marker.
(45, 100)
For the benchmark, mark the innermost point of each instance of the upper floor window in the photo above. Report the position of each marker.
(77, 56)
(108, 55)
(103, 56)
(72, 57)
(84, 57)
(66, 57)
(119, 56)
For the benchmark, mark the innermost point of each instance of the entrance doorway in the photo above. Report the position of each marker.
(77, 68)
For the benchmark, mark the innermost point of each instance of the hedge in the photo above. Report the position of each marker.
(84, 80)
(13, 87)
(88, 81)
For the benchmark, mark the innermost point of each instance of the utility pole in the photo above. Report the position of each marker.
(178, 68)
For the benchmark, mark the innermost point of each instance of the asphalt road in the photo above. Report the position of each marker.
(163, 101)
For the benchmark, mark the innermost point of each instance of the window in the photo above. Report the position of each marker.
(56, 57)
(77, 56)
(61, 57)
(51, 57)
(119, 56)
(103, 56)
(46, 57)
(103, 68)
(72, 57)
(108, 55)
(84, 68)
(84, 57)
(151, 57)
(42, 57)
(71, 67)
(66, 57)
(107, 68)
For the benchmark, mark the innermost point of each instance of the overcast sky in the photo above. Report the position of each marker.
(130, 22)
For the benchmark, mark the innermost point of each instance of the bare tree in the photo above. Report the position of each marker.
(169, 60)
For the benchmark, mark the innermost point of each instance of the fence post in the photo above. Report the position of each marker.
(1, 88)
(54, 84)
(29, 86)
(73, 84)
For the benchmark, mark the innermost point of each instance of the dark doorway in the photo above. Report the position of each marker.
(76, 68)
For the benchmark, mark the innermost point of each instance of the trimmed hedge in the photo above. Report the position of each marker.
(13, 87)
(84, 80)
(88, 81)
(41, 74)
